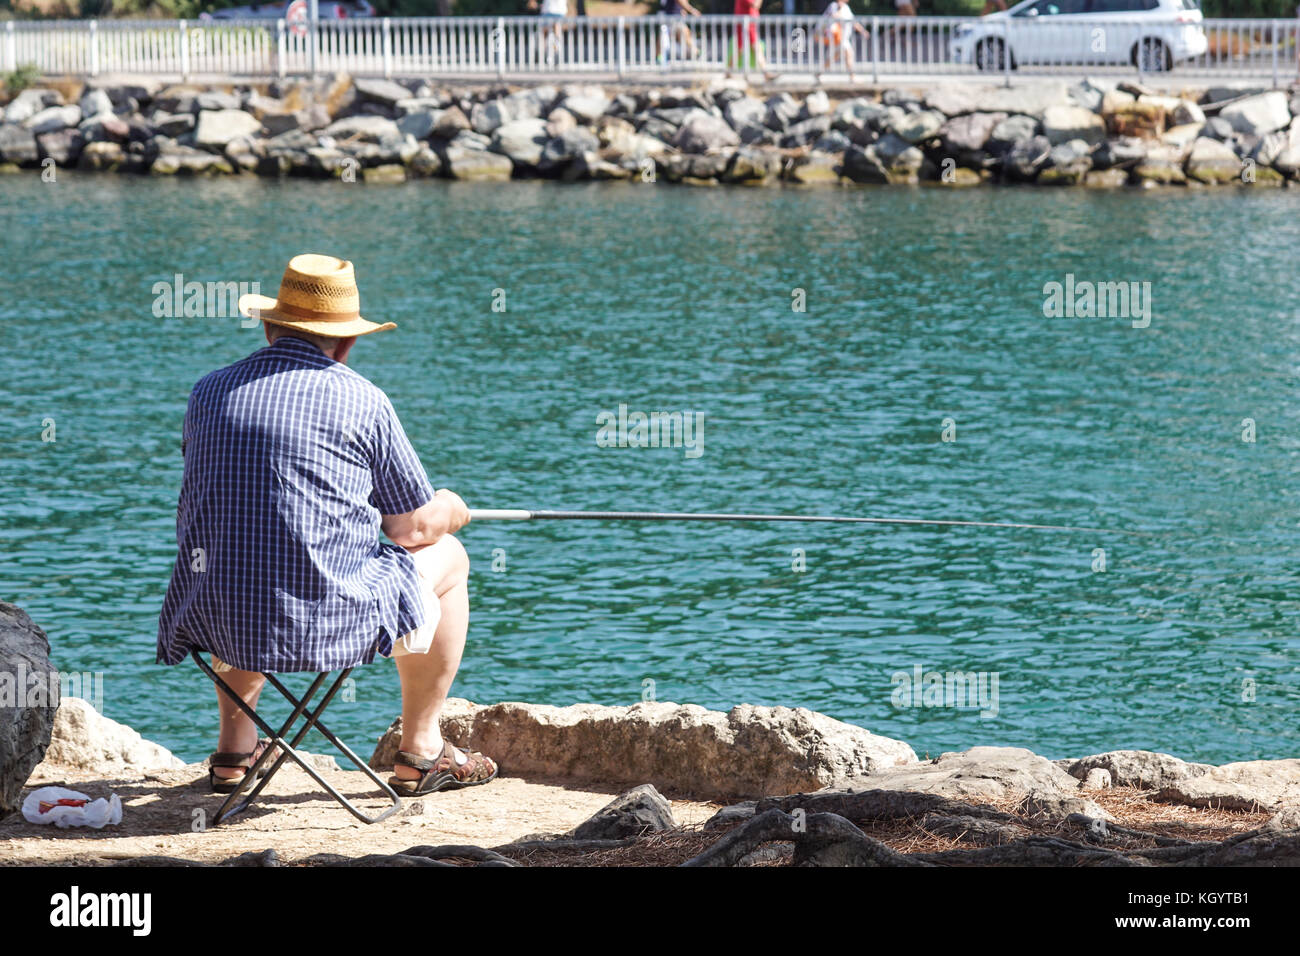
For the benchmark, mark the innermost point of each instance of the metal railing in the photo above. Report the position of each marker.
(644, 47)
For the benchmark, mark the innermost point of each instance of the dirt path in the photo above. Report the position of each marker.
(163, 815)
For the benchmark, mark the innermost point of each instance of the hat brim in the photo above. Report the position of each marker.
(268, 310)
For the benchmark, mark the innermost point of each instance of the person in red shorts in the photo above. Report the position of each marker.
(747, 37)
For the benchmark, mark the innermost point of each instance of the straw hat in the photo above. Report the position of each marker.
(318, 294)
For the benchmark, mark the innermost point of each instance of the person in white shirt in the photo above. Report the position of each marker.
(552, 17)
(840, 31)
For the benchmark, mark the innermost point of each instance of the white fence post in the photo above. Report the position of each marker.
(1275, 30)
(498, 46)
(388, 49)
(94, 49)
(11, 47)
(875, 50)
(622, 43)
(185, 50)
(281, 48)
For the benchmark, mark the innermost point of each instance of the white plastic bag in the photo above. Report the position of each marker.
(78, 810)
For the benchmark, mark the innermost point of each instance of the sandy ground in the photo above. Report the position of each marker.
(163, 815)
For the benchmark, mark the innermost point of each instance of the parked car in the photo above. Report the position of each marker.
(326, 9)
(1152, 34)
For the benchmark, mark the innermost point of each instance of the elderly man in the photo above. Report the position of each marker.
(293, 465)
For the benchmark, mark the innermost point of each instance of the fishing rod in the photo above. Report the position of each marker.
(491, 514)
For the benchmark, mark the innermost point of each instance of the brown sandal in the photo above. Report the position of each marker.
(443, 773)
(234, 761)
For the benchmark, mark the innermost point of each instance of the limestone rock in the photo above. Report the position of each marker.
(53, 118)
(83, 739)
(864, 166)
(521, 140)
(385, 92)
(29, 702)
(1257, 115)
(1010, 131)
(586, 107)
(95, 103)
(1026, 158)
(917, 127)
(750, 751)
(216, 128)
(1097, 779)
(1212, 162)
(102, 156)
(992, 772)
(639, 811)
(1064, 123)
(476, 164)
(367, 129)
(745, 111)
(1057, 806)
(17, 145)
(30, 102)
(63, 146)
(964, 138)
(753, 166)
(702, 131)
(1267, 784)
(1139, 768)
(1067, 164)
(1162, 165)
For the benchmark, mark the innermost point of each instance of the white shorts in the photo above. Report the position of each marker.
(421, 639)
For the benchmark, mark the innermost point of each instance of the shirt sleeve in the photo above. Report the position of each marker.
(400, 484)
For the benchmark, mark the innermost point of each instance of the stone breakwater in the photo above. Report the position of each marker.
(367, 130)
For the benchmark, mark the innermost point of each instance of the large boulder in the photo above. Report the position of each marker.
(53, 118)
(1064, 123)
(463, 162)
(985, 772)
(1161, 166)
(522, 140)
(29, 701)
(364, 128)
(1250, 785)
(702, 132)
(17, 145)
(216, 128)
(635, 813)
(85, 740)
(964, 138)
(1031, 99)
(30, 102)
(750, 751)
(1260, 114)
(1210, 161)
(917, 127)
(384, 92)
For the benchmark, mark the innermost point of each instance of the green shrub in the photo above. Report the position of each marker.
(21, 78)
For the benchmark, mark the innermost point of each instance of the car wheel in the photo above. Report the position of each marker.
(1151, 56)
(990, 55)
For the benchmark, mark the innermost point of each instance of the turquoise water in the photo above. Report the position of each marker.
(921, 306)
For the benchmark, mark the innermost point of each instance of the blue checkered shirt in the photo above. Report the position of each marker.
(290, 459)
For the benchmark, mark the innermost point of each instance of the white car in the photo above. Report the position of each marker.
(1150, 34)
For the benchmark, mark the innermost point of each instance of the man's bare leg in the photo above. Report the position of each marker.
(237, 734)
(426, 678)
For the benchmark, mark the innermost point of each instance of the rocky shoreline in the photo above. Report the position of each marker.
(754, 786)
(1089, 133)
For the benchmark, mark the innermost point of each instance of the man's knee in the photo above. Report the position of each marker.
(445, 563)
